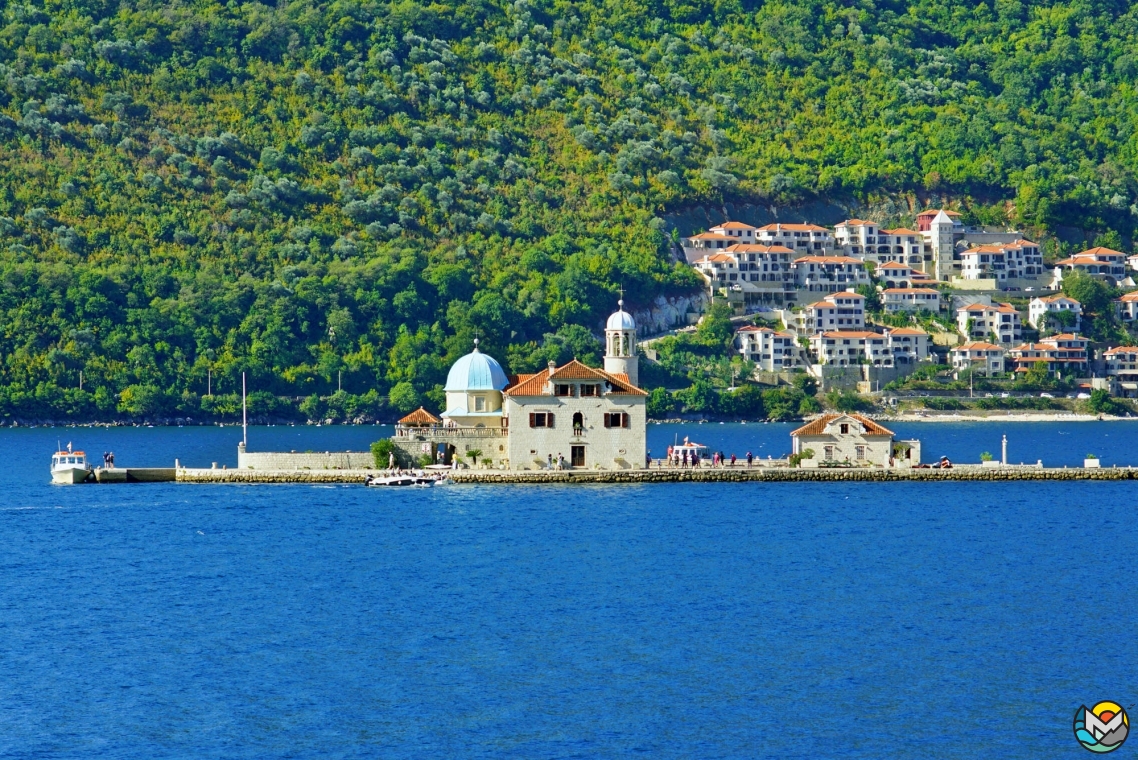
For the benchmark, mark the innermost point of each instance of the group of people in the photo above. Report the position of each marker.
(680, 456)
(551, 464)
(108, 460)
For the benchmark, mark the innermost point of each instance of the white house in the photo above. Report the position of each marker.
(743, 233)
(893, 274)
(846, 348)
(852, 439)
(977, 321)
(1039, 309)
(984, 358)
(908, 345)
(857, 237)
(844, 310)
(901, 245)
(910, 299)
(1101, 263)
(770, 350)
(805, 239)
(1127, 306)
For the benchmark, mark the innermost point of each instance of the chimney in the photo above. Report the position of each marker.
(552, 366)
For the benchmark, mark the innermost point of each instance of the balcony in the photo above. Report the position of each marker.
(447, 433)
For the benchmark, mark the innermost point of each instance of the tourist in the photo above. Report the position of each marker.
(648, 460)
(111, 460)
(105, 460)
(549, 460)
(750, 458)
(685, 458)
(732, 459)
(391, 460)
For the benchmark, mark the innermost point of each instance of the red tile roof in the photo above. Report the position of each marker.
(535, 384)
(792, 228)
(757, 248)
(907, 331)
(977, 345)
(818, 426)
(733, 226)
(419, 417)
(829, 260)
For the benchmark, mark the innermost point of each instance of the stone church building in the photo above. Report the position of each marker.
(587, 418)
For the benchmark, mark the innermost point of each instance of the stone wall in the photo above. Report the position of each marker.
(311, 460)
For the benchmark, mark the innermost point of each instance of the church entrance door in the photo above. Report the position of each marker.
(577, 454)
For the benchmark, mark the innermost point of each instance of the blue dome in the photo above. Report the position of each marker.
(476, 372)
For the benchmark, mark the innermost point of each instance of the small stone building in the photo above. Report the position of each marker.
(852, 439)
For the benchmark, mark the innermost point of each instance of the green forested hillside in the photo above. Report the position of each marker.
(317, 190)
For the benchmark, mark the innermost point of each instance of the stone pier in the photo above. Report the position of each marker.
(709, 475)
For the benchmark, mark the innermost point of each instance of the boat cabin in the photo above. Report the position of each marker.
(68, 459)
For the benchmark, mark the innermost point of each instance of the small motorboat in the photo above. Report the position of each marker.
(404, 479)
(69, 466)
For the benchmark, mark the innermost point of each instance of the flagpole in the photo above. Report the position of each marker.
(244, 416)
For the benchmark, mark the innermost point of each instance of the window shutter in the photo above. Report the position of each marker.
(607, 420)
(624, 420)
(532, 419)
(549, 419)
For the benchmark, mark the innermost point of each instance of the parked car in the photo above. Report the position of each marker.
(1083, 396)
(1046, 395)
(1029, 290)
(1005, 395)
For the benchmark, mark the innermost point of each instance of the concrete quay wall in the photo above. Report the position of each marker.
(724, 475)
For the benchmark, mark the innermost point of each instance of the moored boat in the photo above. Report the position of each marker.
(69, 466)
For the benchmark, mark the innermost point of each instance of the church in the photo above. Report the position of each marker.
(574, 416)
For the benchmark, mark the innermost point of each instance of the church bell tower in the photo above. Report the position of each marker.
(620, 345)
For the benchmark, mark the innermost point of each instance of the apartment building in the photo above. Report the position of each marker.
(844, 310)
(828, 274)
(1122, 364)
(1062, 353)
(978, 321)
(845, 348)
(983, 358)
(910, 299)
(770, 350)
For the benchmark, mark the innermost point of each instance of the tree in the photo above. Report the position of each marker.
(660, 404)
(872, 297)
(745, 402)
(403, 397)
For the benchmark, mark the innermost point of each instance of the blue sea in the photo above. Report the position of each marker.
(861, 620)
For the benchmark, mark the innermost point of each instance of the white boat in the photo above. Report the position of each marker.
(405, 479)
(69, 466)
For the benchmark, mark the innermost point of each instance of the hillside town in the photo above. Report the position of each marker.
(860, 306)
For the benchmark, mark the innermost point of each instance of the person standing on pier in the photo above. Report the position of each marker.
(732, 459)
(750, 459)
